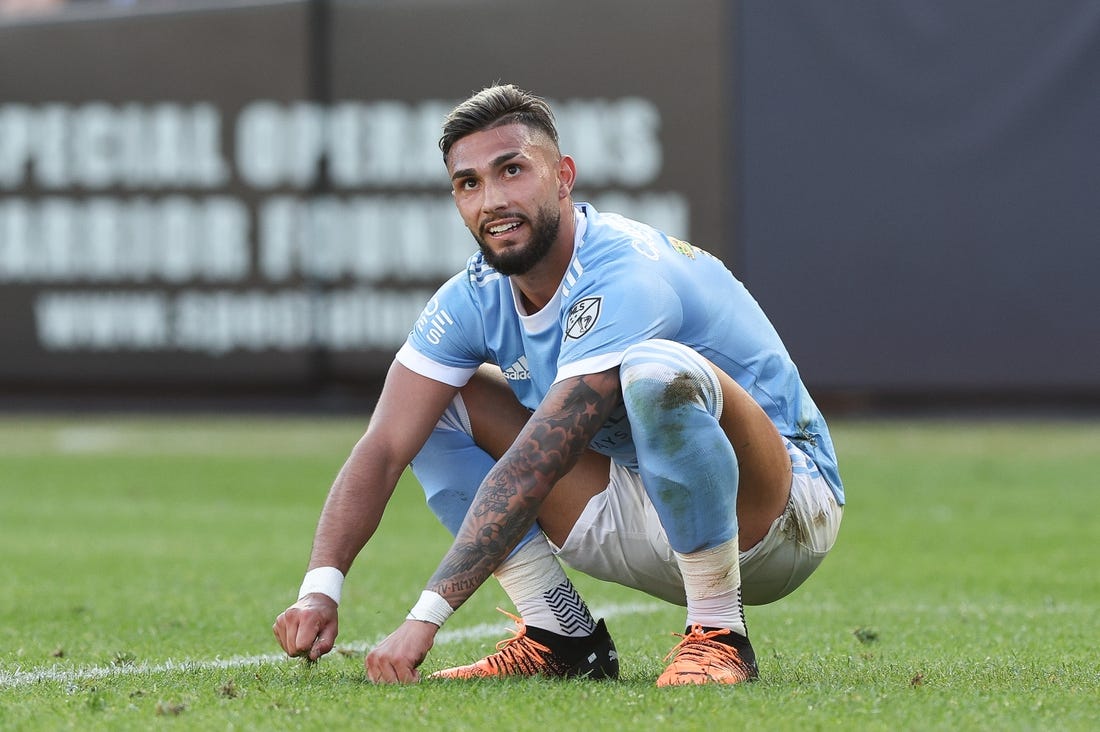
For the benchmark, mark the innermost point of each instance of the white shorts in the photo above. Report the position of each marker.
(618, 538)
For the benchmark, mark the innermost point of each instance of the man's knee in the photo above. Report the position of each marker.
(450, 466)
(660, 376)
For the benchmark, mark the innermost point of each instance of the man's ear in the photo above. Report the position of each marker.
(567, 175)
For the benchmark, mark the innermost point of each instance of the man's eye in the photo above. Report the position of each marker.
(468, 184)
(512, 169)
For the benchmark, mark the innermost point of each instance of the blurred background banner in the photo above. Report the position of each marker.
(251, 195)
(230, 198)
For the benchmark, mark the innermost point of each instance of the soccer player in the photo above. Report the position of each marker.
(588, 390)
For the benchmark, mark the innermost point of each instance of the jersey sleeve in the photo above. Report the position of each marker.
(624, 306)
(447, 341)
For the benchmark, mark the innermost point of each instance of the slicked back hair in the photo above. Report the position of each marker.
(495, 106)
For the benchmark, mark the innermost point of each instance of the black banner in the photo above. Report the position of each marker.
(252, 193)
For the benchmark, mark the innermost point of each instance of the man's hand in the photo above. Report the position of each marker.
(395, 659)
(308, 628)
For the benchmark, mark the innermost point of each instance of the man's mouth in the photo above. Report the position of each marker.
(500, 229)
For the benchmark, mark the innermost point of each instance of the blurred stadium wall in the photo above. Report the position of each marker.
(234, 202)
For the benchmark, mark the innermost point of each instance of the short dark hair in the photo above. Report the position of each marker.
(494, 106)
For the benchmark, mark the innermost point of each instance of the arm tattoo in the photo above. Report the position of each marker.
(508, 501)
(495, 497)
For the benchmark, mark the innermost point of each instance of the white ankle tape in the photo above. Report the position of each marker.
(710, 571)
(531, 571)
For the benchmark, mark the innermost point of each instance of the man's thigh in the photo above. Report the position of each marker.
(797, 541)
(497, 417)
(618, 537)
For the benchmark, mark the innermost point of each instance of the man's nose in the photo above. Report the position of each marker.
(495, 196)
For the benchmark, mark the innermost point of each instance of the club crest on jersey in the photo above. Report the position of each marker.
(582, 316)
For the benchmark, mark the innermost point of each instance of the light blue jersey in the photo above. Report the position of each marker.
(627, 283)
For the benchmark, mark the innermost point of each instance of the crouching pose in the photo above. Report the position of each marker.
(589, 390)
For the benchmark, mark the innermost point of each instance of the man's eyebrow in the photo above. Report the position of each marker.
(504, 158)
(495, 162)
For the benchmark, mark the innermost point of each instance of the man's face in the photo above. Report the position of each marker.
(507, 187)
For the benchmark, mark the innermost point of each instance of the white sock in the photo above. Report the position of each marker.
(712, 581)
(542, 593)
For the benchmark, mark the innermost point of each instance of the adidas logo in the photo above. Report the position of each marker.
(518, 371)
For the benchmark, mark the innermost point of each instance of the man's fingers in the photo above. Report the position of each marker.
(307, 637)
(388, 673)
(284, 633)
(321, 645)
(412, 676)
(297, 635)
(374, 674)
(378, 670)
(308, 627)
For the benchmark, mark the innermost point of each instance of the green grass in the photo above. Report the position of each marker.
(142, 562)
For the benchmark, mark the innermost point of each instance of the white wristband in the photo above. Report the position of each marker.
(326, 580)
(431, 608)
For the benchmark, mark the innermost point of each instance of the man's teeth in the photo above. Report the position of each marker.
(502, 228)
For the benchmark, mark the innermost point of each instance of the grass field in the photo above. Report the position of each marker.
(143, 561)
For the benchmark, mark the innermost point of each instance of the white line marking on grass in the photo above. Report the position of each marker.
(26, 678)
(88, 440)
(10, 679)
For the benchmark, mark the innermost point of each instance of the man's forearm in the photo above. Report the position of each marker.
(507, 503)
(352, 510)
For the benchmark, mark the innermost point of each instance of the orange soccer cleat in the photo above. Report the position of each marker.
(537, 652)
(700, 659)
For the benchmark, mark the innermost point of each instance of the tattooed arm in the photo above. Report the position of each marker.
(508, 501)
(504, 508)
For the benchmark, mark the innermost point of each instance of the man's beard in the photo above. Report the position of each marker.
(517, 260)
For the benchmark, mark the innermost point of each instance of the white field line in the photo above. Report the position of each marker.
(17, 678)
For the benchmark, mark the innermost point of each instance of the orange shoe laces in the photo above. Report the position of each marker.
(697, 646)
(519, 647)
